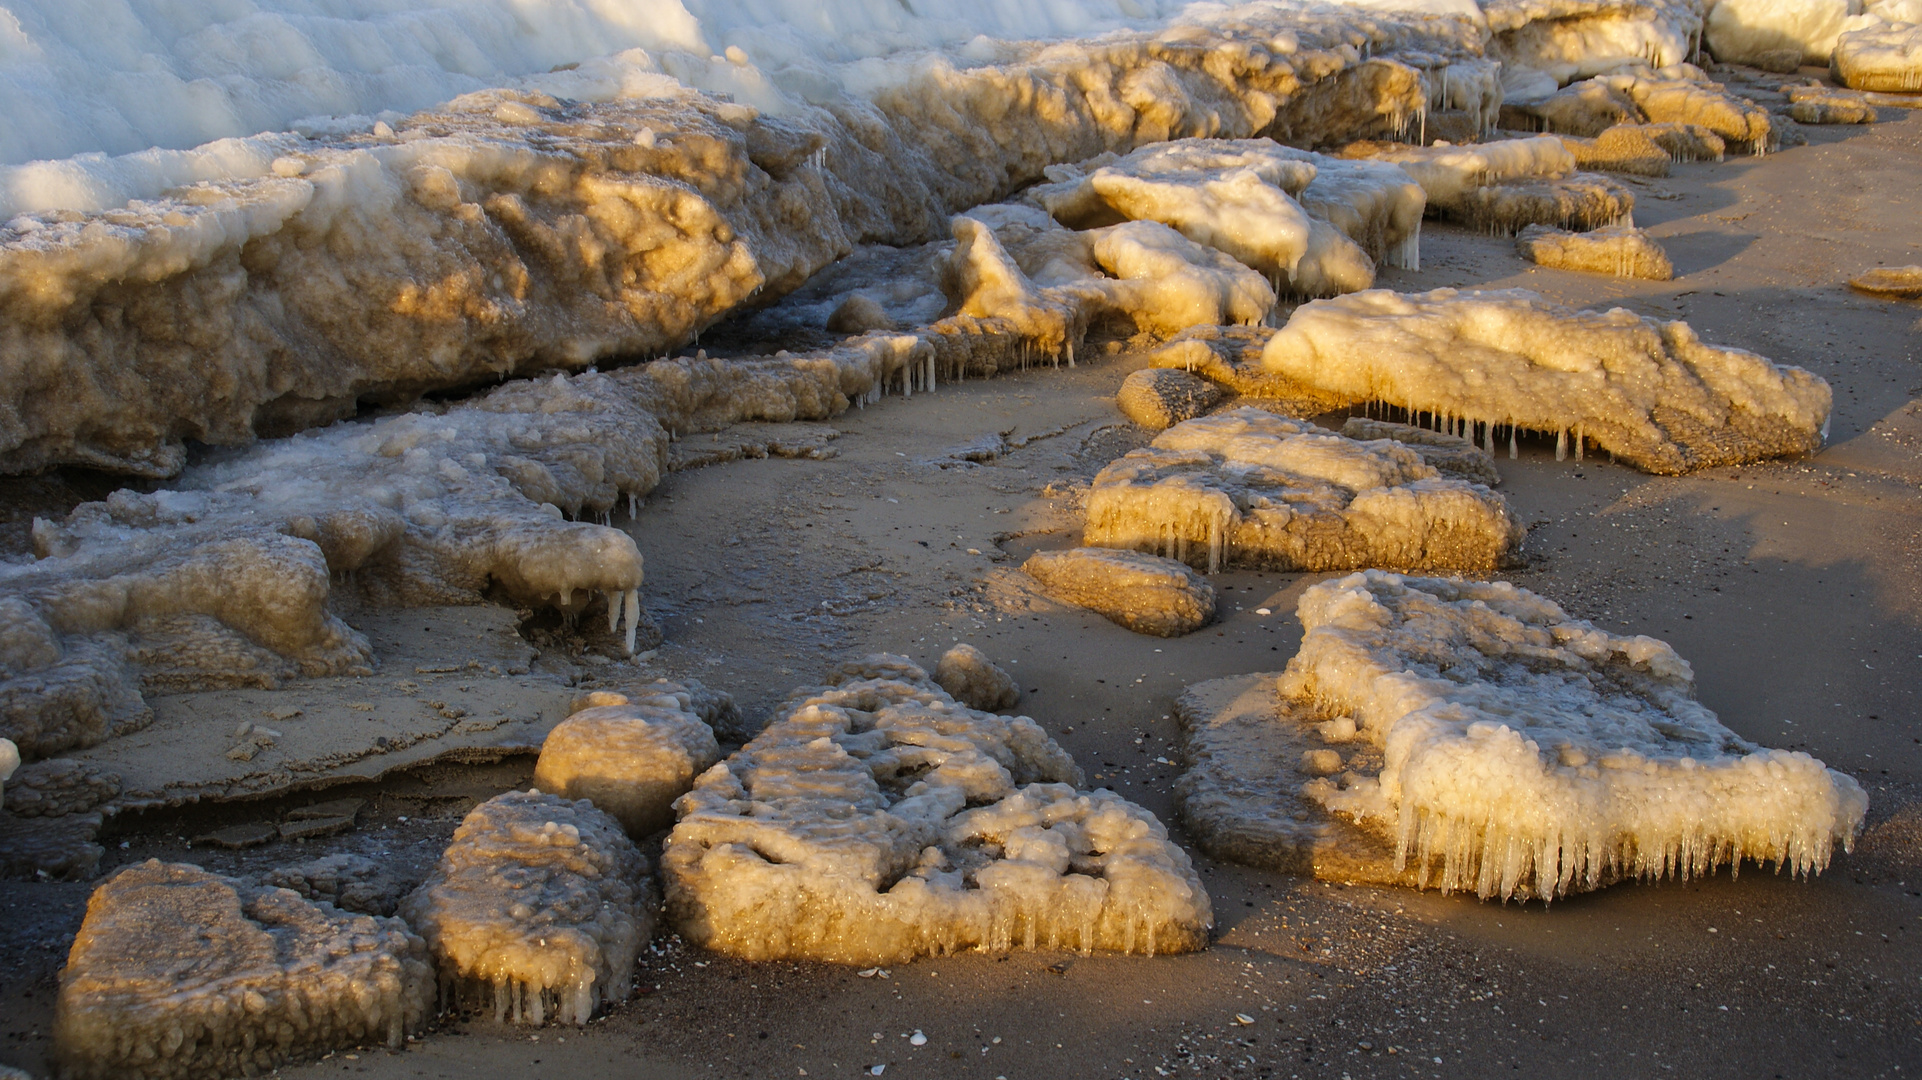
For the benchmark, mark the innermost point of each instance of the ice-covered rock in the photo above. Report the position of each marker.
(1619, 250)
(1886, 58)
(630, 756)
(538, 908)
(1827, 105)
(972, 679)
(1508, 184)
(879, 820)
(1901, 282)
(1148, 594)
(1487, 364)
(1248, 488)
(347, 881)
(1159, 398)
(1549, 756)
(179, 973)
(1662, 99)
(54, 787)
(1574, 38)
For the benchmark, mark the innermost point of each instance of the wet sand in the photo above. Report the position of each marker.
(1791, 586)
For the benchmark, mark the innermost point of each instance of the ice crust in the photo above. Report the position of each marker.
(179, 973)
(538, 908)
(1245, 487)
(1486, 364)
(630, 756)
(1526, 753)
(878, 820)
(1620, 251)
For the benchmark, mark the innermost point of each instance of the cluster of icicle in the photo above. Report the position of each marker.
(1487, 434)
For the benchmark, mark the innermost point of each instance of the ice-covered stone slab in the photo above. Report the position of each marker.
(878, 820)
(629, 755)
(538, 908)
(1148, 594)
(1619, 251)
(179, 973)
(1504, 185)
(1248, 488)
(1885, 58)
(1522, 752)
(1490, 363)
(1827, 105)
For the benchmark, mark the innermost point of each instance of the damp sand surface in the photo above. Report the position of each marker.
(1791, 586)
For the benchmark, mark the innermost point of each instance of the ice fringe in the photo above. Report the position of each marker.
(878, 820)
(179, 974)
(538, 909)
(1647, 391)
(1528, 754)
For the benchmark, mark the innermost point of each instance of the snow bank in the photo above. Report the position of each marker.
(1647, 391)
(1246, 487)
(1548, 756)
(179, 973)
(538, 907)
(879, 820)
(630, 757)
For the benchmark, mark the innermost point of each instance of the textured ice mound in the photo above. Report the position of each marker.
(180, 973)
(1485, 363)
(1886, 58)
(1507, 184)
(1620, 251)
(538, 908)
(630, 756)
(1526, 753)
(879, 820)
(1248, 488)
(1146, 593)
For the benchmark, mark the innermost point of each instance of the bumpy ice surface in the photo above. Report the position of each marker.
(1149, 594)
(629, 755)
(1491, 362)
(180, 973)
(1246, 487)
(879, 820)
(1527, 753)
(538, 907)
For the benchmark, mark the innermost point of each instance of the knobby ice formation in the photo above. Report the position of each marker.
(631, 756)
(877, 819)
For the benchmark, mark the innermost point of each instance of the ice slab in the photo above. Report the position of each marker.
(538, 908)
(1526, 753)
(878, 820)
(1885, 58)
(1649, 392)
(1148, 594)
(1891, 281)
(629, 755)
(1246, 487)
(179, 973)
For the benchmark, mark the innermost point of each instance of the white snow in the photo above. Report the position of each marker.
(1528, 753)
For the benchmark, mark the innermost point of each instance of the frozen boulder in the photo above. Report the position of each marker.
(55, 786)
(538, 908)
(349, 882)
(976, 681)
(631, 757)
(1487, 364)
(1248, 488)
(1896, 282)
(179, 973)
(1159, 398)
(1146, 593)
(1620, 251)
(1759, 32)
(879, 820)
(1551, 757)
(1885, 58)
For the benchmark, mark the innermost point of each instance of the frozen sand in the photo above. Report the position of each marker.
(1790, 586)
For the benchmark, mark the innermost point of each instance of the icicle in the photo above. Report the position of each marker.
(633, 614)
(633, 505)
(1578, 442)
(613, 612)
(1561, 444)
(1514, 448)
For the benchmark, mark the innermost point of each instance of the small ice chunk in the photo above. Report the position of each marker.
(631, 759)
